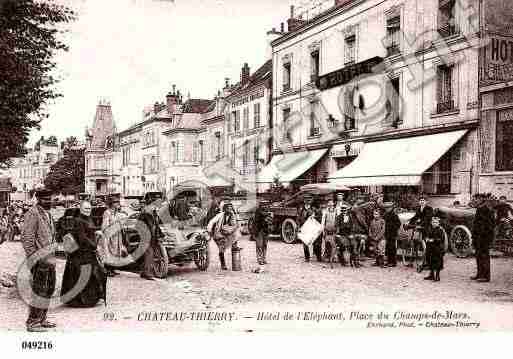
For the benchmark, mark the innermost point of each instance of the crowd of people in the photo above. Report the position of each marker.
(347, 233)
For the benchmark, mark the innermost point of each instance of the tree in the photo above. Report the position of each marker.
(67, 174)
(28, 42)
(70, 143)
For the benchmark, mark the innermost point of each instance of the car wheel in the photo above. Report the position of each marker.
(160, 262)
(289, 231)
(202, 258)
(461, 242)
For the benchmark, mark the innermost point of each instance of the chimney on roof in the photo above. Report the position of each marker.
(292, 22)
(244, 74)
(171, 100)
(282, 28)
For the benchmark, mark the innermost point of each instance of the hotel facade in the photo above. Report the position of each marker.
(382, 95)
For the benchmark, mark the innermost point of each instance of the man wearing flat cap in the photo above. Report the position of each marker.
(37, 237)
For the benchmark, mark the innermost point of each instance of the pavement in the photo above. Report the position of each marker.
(287, 285)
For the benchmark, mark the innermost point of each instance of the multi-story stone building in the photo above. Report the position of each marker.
(30, 171)
(102, 156)
(155, 150)
(248, 120)
(382, 95)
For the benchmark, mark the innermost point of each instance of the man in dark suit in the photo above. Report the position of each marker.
(482, 234)
(305, 212)
(423, 215)
(37, 238)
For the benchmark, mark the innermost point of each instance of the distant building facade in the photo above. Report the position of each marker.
(31, 170)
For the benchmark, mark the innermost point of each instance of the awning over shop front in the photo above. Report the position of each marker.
(289, 166)
(399, 162)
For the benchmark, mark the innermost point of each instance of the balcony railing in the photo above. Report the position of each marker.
(447, 30)
(446, 106)
(314, 131)
(98, 172)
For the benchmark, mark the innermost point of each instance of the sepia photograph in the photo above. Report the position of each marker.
(255, 167)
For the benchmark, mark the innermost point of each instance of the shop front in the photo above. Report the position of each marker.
(403, 168)
(295, 169)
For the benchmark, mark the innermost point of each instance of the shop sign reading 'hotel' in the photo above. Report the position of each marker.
(348, 73)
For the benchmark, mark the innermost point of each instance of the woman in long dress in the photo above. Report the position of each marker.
(224, 230)
(84, 281)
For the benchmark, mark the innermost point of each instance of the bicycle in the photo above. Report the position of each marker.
(414, 248)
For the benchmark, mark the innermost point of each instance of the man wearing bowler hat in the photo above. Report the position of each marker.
(37, 236)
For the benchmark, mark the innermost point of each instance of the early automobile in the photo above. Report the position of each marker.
(183, 241)
(285, 212)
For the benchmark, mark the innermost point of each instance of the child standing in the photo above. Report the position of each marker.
(435, 249)
(377, 237)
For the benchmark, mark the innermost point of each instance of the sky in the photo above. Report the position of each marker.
(131, 52)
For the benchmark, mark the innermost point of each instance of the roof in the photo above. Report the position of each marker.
(261, 74)
(342, 6)
(197, 105)
(103, 126)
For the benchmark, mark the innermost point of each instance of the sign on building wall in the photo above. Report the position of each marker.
(498, 65)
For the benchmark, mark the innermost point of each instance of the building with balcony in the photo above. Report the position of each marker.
(382, 95)
(102, 155)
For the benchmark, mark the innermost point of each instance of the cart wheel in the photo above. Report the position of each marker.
(289, 231)
(202, 257)
(461, 242)
(161, 262)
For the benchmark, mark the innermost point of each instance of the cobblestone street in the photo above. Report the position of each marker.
(288, 284)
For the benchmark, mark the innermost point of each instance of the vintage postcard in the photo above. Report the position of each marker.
(237, 167)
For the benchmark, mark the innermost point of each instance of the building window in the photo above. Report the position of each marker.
(393, 102)
(504, 141)
(230, 119)
(315, 63)
(232, 157)
(446, 18)
(218, 145)
(286, 131)
(437, 180)
(245, 155)
(445, 100)
(245, 115)
(349, 110)
(350, 50)
(174, 152)
(179, 151)
(256, 115)
(237, 121)
(256, 150)
(314, 126)
(201, 152)
(286, 76)
(393, 35)
(195, 147)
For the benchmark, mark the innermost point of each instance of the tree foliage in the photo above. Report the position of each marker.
(28, 43)
(67, 175)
